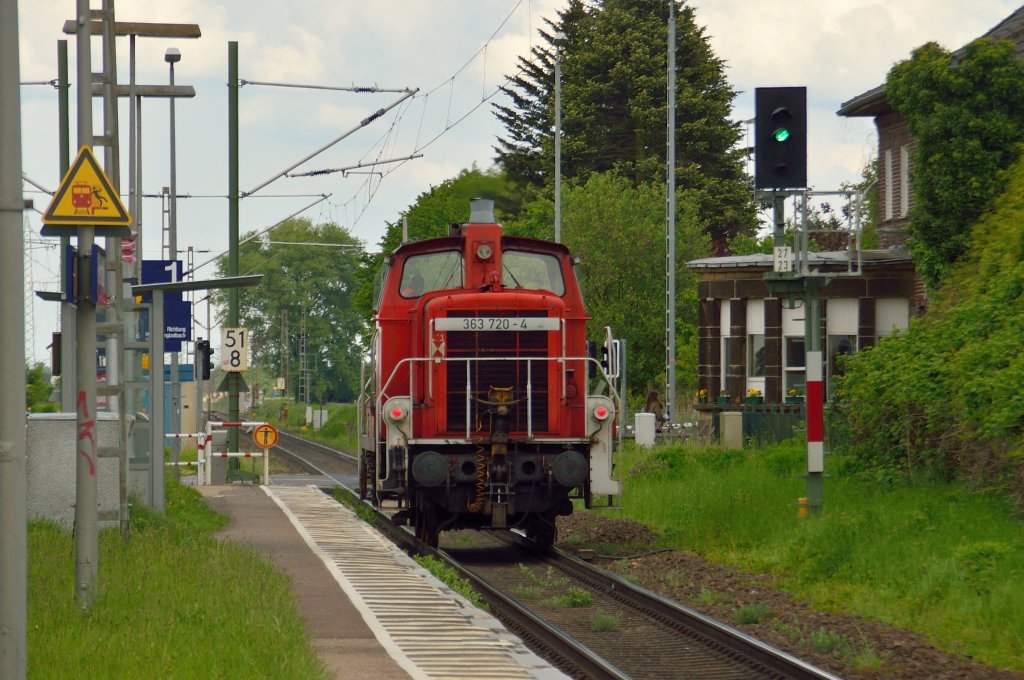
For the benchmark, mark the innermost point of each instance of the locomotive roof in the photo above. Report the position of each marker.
(452, 242)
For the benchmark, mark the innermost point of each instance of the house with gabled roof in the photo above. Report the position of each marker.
(752, 338)
(895, 142)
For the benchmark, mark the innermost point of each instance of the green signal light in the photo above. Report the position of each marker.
(781, 135)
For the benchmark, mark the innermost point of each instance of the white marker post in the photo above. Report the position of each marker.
(265, 437)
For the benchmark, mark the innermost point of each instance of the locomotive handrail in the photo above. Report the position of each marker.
(384, 393)
(562, 359)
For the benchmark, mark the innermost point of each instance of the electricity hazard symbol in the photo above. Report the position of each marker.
(437, 348)
(86, 198)
(265, 436)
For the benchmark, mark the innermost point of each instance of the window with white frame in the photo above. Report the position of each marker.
(841, 339)
(794, 358)
(888, 184)
(891, 314)
(756, 351)
(725, 326)
(904, 180)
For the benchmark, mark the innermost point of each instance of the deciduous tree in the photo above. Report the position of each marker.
(304, 277)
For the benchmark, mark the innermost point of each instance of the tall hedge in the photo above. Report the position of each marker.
(946, 397)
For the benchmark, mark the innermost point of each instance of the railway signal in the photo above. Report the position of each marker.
(780, 137)
(204, 354)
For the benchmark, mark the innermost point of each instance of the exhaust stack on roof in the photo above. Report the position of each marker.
(481, 211)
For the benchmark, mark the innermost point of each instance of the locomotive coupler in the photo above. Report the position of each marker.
(500, 401)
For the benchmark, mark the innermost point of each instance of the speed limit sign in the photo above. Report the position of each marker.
(234, 350)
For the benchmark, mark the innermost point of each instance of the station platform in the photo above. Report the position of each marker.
(370, 610)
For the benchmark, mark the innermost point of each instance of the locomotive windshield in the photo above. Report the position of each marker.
(537, 271)
(431, 271)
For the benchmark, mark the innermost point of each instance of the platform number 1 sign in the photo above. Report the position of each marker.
(234, 354)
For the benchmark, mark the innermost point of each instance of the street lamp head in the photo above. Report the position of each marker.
(172, 55)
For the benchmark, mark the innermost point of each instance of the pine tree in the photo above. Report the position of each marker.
(614, 113)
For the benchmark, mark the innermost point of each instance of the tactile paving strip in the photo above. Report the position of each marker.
(428, 629)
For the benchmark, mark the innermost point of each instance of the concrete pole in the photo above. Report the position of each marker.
(670, 228)
(13, 525)
(171, 57)
(86, 520)
(156, 400)
(233, 414)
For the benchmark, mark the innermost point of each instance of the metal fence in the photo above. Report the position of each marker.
(767, 423)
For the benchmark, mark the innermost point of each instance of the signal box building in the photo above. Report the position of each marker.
(751, 339)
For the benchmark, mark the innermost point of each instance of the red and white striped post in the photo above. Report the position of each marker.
(237, 454)
(200, 437)
(815, 432)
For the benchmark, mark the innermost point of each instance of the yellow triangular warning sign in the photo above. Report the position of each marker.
(86, 198)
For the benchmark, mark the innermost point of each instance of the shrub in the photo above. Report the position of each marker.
(753, 613)
(603, 622)
(942, 399)
(824, 640)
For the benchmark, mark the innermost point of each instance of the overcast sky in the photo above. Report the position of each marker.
(456, 52)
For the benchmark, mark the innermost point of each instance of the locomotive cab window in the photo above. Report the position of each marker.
(431, 271)
(535, 271)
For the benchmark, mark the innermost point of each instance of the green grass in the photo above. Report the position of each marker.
(753, 613)
(574, 597)
(824, 640)
(709, 597)
(452, 579)
(940, 559)
(173, 602)
(603, 622)
(339, 430)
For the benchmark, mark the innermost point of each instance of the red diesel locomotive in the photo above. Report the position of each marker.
(476, 409)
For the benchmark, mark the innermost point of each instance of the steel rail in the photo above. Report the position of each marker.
(727, 638)
(559, 645)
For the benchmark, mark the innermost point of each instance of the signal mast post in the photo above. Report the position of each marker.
(780, 144)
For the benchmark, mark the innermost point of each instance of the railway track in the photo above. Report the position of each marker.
(643, 635)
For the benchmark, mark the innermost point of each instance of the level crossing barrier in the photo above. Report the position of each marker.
(202, 441)
(221, 426)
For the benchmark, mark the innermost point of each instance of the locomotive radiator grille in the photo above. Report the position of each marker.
(492, 346)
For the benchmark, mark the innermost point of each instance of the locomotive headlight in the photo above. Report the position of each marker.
(601, 412)
(484, 251)
(397, 414)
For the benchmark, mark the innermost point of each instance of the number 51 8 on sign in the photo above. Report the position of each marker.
(234, 351)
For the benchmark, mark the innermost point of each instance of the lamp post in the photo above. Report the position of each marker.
(559, 39)
(173, 56)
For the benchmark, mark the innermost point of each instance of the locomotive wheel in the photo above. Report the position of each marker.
(427, 519)
(542, 529)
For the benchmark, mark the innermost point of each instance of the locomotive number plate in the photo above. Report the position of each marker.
(496, 323)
